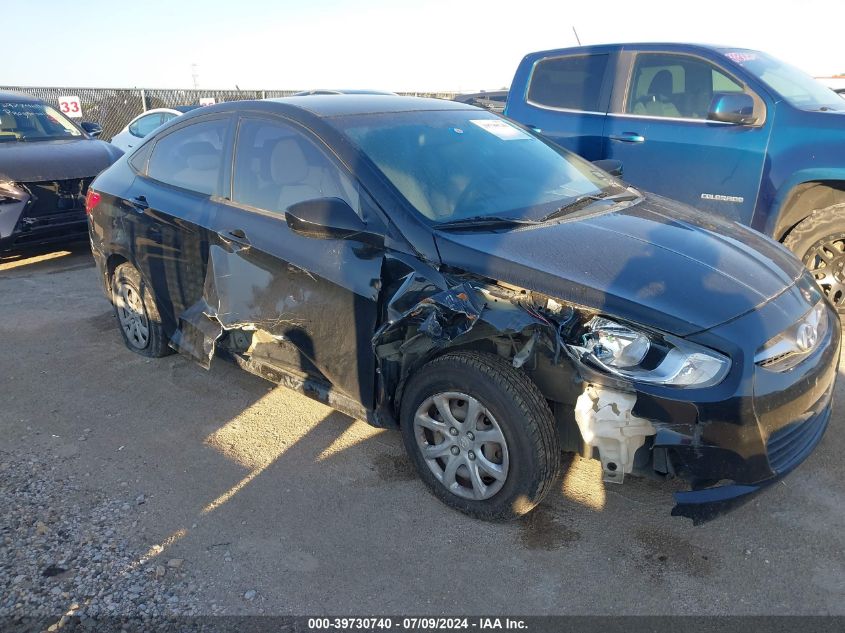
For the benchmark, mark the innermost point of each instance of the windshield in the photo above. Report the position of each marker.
(797, 87)
(32, 121)
(457, 164)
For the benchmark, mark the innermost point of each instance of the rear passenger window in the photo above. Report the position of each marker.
(190, 157)
(675, 86)
(572, 83)
(276, 166)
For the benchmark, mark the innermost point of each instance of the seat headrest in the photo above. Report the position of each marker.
(661, 83)
(288, 165)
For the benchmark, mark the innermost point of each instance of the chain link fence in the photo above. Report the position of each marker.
(113, 108)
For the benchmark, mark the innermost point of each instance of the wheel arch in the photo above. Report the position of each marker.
(799, 199)
(114, 260)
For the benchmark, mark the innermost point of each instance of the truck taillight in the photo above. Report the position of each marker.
(92, 199)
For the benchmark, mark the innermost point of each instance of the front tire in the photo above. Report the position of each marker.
(480, 434)
(819, 242)
(137, 313)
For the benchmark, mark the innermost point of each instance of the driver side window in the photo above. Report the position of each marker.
(276, 166)
(675, 86)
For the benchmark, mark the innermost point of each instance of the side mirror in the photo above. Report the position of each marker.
(610, 165)
(329, 219)
(91, 128)
(732, 107)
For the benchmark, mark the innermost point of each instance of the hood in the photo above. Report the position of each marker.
(59, 159)
(659, 263)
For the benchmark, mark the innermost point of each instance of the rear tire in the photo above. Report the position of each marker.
(137, 313)
(497, 465)
(819, 242)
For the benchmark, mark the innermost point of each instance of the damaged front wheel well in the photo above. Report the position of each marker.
(487, 346)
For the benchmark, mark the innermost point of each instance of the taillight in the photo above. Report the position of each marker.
(92, 199)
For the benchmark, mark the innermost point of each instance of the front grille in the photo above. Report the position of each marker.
(54, 197)
(789, 445)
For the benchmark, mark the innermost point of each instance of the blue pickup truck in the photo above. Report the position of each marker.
(730, 131)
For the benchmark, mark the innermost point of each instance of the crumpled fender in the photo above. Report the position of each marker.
(424, 320)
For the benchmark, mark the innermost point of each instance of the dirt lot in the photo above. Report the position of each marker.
(157, 483)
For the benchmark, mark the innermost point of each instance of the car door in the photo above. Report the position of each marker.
(307, 305)
(566, 100)
(168, 203)
(658, 128)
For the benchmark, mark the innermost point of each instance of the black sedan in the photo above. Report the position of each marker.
(46, 165)
(428, 265)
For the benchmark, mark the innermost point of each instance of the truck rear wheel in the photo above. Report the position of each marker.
(819, 241)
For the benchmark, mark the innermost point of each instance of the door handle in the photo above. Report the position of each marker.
(139, 203)
(533, 128)
(627, 137)
(237, 236)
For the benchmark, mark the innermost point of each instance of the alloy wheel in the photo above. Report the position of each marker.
(826, 262)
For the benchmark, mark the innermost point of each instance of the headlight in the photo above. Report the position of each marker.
(790, 347)
(623, 350)
(9, 192)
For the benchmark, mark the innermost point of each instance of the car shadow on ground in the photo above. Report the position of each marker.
(58, 257)
(328, 491)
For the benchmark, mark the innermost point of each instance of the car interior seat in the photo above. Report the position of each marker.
(195, 160)
(300, 177)
(8, 127)
(658, 100)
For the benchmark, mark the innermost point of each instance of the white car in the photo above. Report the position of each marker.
(139, 127)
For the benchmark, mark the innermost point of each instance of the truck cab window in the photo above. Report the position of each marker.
(569, 83)
(675, 86)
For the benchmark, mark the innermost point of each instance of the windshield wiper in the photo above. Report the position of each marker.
(587, 200)
(483, 220)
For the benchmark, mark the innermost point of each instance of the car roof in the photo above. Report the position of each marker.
(351, 104)
(8, 95)
(680, 46)
(341, 91)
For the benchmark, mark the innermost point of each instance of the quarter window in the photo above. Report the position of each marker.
(572, 83)
(190, 157)
(676, 86)
(276, 166)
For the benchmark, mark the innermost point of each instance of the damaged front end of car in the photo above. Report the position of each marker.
(638, 400)
(555, 343)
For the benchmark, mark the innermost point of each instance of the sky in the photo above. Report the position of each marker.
(403, 45)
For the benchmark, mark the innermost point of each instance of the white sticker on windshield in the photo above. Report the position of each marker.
(500, 128)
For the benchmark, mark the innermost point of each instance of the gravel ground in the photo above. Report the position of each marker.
(140, 488)
(81, 558)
